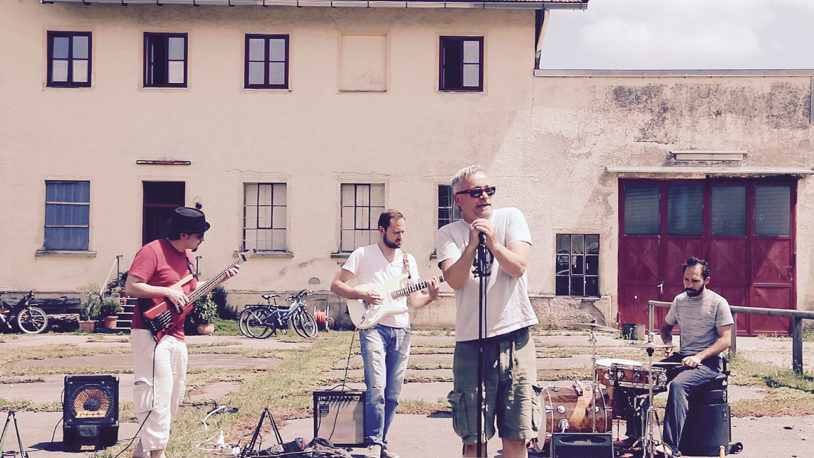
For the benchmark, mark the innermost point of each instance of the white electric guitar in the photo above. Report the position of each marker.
(394, 301)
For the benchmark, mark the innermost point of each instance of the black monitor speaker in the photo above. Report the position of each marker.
(90, 412)
(581, 445)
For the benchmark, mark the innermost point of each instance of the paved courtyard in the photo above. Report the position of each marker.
(413, 436)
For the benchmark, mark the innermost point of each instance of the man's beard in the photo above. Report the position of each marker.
(390, 244)
(694, 293)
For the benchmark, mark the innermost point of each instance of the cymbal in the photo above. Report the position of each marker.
(652, 345)
(594, 326)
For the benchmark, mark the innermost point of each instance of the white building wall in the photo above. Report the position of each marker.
(546, 141)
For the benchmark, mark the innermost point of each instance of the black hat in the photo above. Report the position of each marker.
(188, 221)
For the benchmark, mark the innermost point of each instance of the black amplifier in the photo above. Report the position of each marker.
(339, 416)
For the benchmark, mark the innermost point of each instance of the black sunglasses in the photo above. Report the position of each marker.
(477, 192)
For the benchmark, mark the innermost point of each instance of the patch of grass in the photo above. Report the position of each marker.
(226, 327)
(434, 332)
(431, 351)
(779, 401)
(30, 406)
(418, 407)
(430, 365)
(16, 381)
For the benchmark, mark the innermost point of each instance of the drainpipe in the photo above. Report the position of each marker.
(540, 25)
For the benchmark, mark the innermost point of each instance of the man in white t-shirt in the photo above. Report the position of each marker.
(386, 346)
(508, 355)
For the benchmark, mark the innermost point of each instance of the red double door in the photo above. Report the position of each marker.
(744, 228)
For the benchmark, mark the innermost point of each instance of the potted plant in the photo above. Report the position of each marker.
(204, 311)
(89, 311)
(109, 310)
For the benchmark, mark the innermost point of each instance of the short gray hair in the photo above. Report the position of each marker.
(463, 173)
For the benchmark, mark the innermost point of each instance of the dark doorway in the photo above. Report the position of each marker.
(743, 227)
(160, 199)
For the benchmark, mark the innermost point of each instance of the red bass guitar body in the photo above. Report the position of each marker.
(162, 316)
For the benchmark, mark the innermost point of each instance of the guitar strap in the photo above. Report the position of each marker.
(407, 265)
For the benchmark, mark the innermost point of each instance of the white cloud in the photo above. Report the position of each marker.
(677, 33)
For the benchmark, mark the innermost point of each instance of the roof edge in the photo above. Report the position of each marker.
(450, 4)
(588, 73)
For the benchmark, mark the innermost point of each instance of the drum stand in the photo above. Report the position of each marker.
(592, 341)
(11, 415)
(651, 419)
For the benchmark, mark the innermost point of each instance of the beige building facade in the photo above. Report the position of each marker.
(292, 127)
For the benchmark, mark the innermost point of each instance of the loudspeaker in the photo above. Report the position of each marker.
(90, 412)
(708, 427)
(581, 445)
(339, 416)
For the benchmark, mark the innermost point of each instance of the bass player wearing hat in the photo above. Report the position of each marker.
(162, 270)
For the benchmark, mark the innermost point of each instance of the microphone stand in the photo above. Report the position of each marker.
(483, 269)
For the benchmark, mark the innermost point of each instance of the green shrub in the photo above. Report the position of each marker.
(224, 310)
(204, 310)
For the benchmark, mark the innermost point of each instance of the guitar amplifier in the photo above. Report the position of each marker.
(581, 445)
(339, 416)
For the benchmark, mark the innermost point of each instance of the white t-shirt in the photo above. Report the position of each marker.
(368, 265)
(507, 301)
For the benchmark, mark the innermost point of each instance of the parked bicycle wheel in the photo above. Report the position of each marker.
(32, 320)
(258, 324)
(305, 324)
(243, 318)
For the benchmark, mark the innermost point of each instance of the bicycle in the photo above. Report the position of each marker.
(262, 321)
(22, 316)
(252, 319)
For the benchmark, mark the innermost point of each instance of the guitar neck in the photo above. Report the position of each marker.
(210, 284)
(411, 288)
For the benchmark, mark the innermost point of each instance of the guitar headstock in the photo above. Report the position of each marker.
(245, 255)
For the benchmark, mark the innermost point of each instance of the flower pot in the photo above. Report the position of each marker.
(86, 325)
(110, 321)
(205, 329)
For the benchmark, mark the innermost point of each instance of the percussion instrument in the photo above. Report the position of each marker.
(627, 373)
(568, 409)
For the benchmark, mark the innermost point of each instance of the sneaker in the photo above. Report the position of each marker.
(387, 453)
(373, 451)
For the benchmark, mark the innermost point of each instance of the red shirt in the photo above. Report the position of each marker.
(159, 264)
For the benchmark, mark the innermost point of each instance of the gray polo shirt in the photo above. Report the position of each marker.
(698, 318)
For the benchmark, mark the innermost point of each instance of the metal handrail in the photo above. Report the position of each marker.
(797, 329)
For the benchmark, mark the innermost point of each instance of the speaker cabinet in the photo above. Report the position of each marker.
(339, 416)
(708, 427)
(90, 412)
(581, 445)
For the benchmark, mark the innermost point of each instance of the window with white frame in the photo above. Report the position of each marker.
(577, 265)
(361, 205)
(264, 216)
(69, 59)
(448, 212)
(67, 215)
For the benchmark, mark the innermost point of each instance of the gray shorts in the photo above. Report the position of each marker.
(509, 374)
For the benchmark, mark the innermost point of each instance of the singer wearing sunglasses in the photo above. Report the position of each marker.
(509, 365)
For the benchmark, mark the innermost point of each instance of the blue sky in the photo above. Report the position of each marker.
(682, 34)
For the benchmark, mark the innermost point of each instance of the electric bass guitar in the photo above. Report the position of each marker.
(161, 316)
(394, 301)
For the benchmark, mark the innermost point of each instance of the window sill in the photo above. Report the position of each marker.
(340, 255)
(66, 253)
(268, 254)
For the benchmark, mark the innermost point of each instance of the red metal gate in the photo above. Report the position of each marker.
(743, 227)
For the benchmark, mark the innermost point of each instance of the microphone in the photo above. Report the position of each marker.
(482, 237)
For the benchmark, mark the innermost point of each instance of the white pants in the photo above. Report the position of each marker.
(160, 372)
